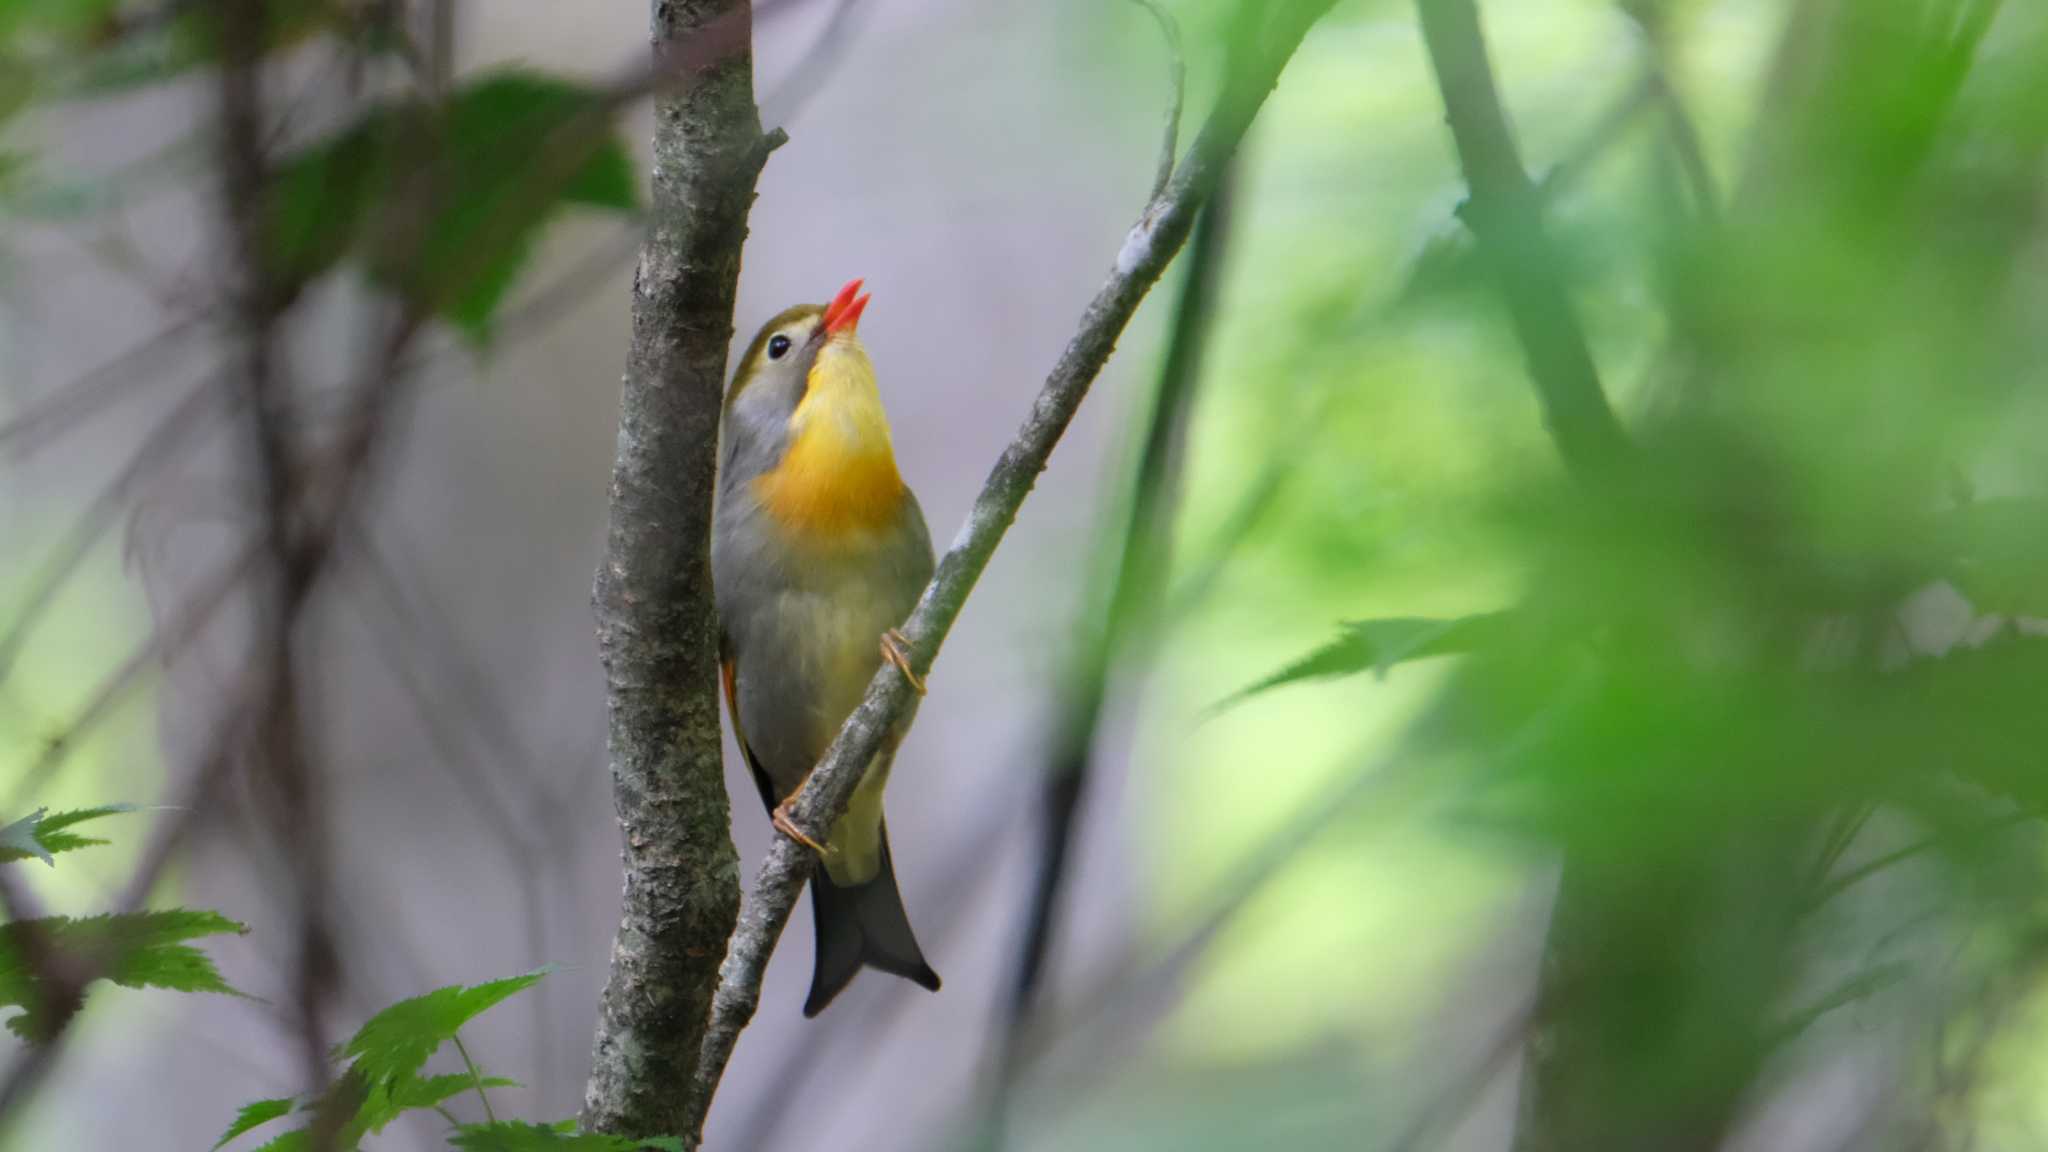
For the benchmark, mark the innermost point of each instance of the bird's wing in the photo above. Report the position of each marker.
(728, 672)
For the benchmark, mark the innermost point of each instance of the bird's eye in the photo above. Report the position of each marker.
(778, 347)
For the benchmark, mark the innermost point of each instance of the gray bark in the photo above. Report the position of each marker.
(1147, 249)
(655, 621)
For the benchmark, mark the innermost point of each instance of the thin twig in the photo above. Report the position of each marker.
(68, 405)
(476, 1078)
(525, 850)
(282, 761)
(163, 646)
(806, 78)
(1151, 244)
(1177, 73)
(1837, 885)
(156, 452)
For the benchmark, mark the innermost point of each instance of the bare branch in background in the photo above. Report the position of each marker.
(806, 78)
(1680, 128)
(155, 453)
(656, 625)
(1108, 1018)
(67, 406)
(288, 784)
(162, 647)
(1151, 244)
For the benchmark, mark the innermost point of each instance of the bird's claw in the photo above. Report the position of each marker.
(896, 650)
(786, 826)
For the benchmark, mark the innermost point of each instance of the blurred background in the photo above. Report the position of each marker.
(1689, 803)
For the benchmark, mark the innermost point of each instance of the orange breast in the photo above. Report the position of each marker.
(837, 480)
(830, 487)
(834, 503)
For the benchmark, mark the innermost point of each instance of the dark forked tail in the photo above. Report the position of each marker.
(862, 924)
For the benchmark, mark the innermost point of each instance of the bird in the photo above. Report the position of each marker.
(819, 551)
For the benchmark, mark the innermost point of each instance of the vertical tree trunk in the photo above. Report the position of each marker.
(655, 619)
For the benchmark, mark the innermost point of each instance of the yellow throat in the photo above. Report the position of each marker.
(838, 477)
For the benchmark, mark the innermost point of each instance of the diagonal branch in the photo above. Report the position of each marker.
(1150, 245)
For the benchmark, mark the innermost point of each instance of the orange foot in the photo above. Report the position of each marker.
(786, 826)
(896, 650)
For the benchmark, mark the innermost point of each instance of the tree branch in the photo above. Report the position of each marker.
(1506, 215)
(1147, 249)
(656, 624)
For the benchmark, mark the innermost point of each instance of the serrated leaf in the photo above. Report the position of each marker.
(338, 1113)
(134, 950)
(18, 840)
(388, 1103)
(522, 1136)
(396, 1043)
(509, 111)
(54, 834)
(481, 173)
(1376, 646)
(254, 1115)
(41, 835)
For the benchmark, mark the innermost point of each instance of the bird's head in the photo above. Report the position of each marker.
(805, 395)
(805, 349)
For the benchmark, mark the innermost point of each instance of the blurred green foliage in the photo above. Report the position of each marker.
(1718, 689)
(445, 204)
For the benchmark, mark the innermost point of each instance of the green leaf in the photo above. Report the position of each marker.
(502, 115)
(1378, 645)
(508, 133)
(521, 1136)
(134, 950)
(445, 207)
(18, 840)
(338, 1111)
(395, 1043)
(388, 1103)
(41, 836)
(254, 1115)
(69, 20)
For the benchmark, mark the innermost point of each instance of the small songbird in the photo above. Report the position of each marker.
(819, 552)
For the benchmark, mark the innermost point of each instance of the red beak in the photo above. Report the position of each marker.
(843, 313)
